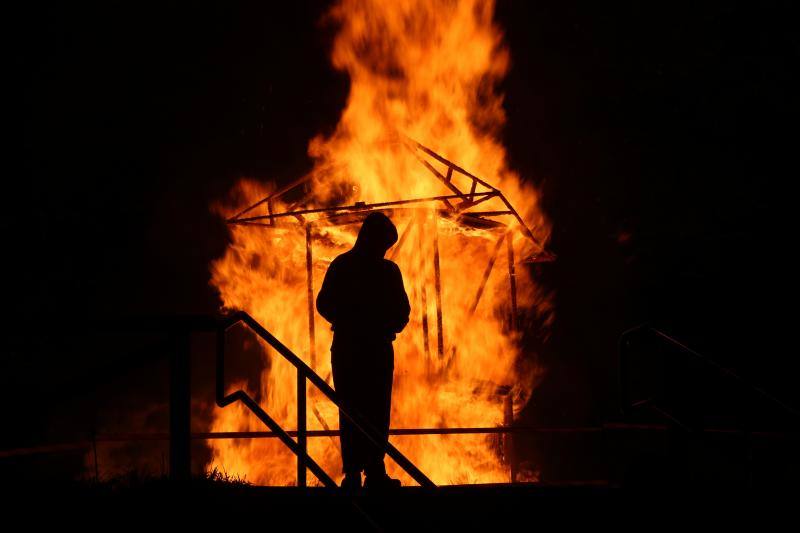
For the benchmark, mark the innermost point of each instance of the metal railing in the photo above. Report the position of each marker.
(645, 329)
(174, 344)
(304, 373)
(681, 408)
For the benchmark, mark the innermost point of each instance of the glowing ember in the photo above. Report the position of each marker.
(425, 70)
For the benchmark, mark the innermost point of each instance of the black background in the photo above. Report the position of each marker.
(660, 133)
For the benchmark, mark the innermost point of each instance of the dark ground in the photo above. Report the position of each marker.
(662, 137)
(454, 508)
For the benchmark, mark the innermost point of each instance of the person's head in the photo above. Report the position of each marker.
(377, 234)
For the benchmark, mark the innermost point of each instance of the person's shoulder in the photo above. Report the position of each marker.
(342, 260)
(391, 266)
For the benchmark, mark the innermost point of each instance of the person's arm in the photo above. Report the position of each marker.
(400, 309)
(328, 297)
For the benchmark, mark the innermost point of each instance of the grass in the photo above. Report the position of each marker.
(139, 479)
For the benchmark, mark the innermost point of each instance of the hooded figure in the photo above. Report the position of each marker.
(363, 298)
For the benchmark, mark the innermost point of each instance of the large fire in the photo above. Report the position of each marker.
(426, 70)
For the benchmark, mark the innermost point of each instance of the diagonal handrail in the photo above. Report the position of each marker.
(304, 372)
(709, 362)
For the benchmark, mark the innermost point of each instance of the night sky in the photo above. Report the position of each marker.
(659, 135)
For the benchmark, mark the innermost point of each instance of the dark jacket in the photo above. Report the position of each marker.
(362, 295)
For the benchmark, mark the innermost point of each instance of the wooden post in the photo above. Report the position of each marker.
(512, 278)
(403, 235)
(310, 284)
(508, 438)
(437, 279)
(180, 409)
(424, 291)
(486, 275)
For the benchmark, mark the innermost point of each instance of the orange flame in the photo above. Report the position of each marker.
(427, 70)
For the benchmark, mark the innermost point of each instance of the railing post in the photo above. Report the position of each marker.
(180, 409)
(301, 429)
(299, 447)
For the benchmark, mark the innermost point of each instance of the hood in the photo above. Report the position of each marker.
(377, 234)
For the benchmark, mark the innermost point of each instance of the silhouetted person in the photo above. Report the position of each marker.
(363, 298)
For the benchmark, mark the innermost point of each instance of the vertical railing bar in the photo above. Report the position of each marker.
(366, 429)
(302, 438)
(180, 408)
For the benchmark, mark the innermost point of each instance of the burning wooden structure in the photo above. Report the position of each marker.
(457, 206)
(467, 195)
(461, 360)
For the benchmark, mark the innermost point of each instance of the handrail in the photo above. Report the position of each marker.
(726, 372)
(304, 372)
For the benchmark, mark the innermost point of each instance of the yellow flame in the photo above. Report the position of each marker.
(427, 70)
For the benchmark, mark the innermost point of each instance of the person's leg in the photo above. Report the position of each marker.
(379, 416)
(346, 387)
